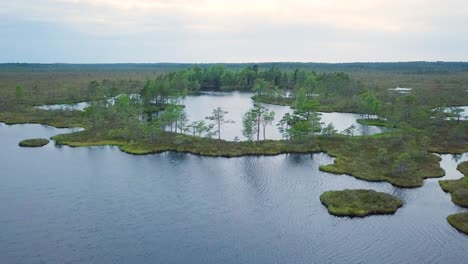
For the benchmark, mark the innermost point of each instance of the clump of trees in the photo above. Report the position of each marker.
(369, 104)
(304, 122)
(157, 109)
(219, 120)
(269, 83)
(150, 114)
(256, 120)
(200, 128)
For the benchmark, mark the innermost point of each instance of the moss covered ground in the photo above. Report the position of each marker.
(337, 104)
(459, 221)
(360, 203)
(373, 122)
(33, 142)
(189, 144)
(463, 168)
(458, 188)
(31, 115)
(372, 159)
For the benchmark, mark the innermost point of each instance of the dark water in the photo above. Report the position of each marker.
(99, 205)
(237, 104)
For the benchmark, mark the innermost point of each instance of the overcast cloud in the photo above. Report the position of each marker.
(85, 31)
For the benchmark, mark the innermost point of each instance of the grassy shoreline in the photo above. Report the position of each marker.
(463, 168)
(55, 118)
(459, 221)
(34, 142)
(362, 166)
(189, 144)
(417, 180)
(286, 101)
(355, 156)
(458, 189)
(371, 164)
(373, 122)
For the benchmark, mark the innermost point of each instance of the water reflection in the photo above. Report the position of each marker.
(237, 104)
(176, 157)
(449, 164)
(197, 107)
(400, 193)
(298, 159)
(457, 157)
(85, 205)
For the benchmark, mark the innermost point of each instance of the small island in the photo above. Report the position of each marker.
(373, 122)
(458, 188)
(360, 203)
(459, 221)
(34, 142)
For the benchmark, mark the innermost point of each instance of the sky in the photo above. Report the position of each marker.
(197, 31)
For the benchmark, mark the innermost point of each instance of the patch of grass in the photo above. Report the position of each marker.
(458, 189)
(459, 221)
(331, 168)
(284, 101)
(463, 168)
(327, 104)
(449, 137)
(381, 135)
(34, 142)
(360, 203)
(372, 159)
(187, 144)
(373, 122)
(95, 143)
(56, 118)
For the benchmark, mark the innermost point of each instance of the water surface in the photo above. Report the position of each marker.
(197, 107)
(463, 114)
(99, 205)
(237, 104)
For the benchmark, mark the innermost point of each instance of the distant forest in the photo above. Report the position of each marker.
(410, 67)
(49, 83)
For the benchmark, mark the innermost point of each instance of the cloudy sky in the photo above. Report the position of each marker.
(92, 31)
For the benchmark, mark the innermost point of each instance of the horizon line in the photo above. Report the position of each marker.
(248, 62)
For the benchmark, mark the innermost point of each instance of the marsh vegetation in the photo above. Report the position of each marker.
(152, 111)
(150, 116)
(33, 142)
(459, 221)
(458, 188)
(360, 203)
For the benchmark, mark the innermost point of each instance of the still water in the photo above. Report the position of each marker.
(197, 107)
(237, 104)
(463, 113)
(99, 205)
